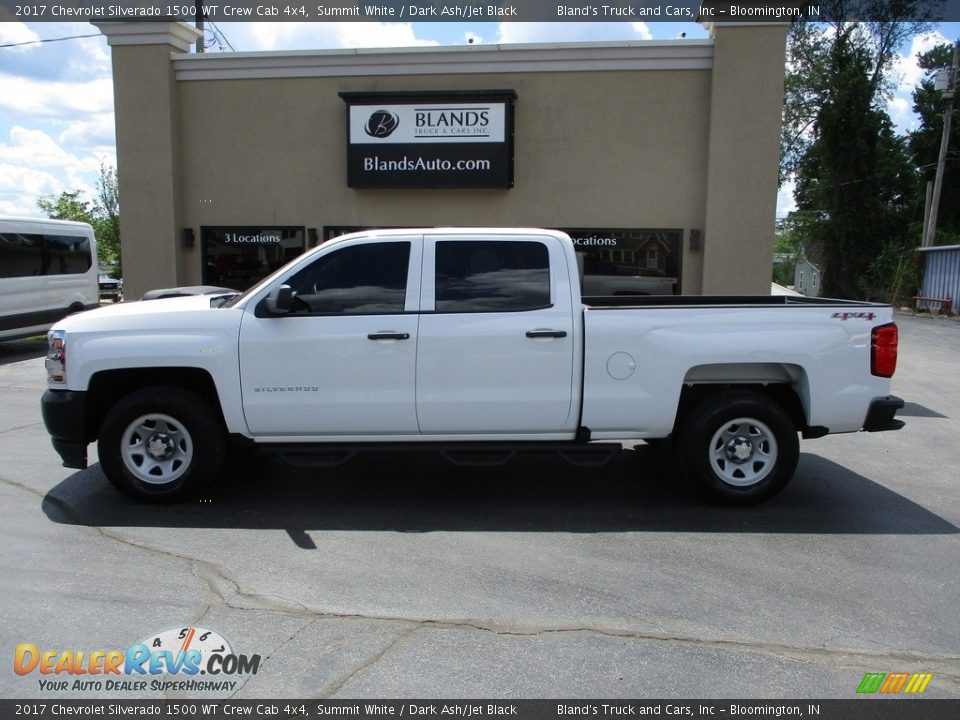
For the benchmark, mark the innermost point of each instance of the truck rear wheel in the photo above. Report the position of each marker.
(739, 447)
(161, 444)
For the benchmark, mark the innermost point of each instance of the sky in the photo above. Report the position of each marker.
(56, 98)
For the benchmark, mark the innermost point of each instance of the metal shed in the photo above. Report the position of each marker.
(941, 273)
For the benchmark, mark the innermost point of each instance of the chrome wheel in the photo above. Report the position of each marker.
(156, 449)
(743, 452)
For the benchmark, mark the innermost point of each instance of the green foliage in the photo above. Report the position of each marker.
(68, 206)
(855, 186)
(924, 144)
(108, 224)
(783, 272)
(103, 214)
(786, 243)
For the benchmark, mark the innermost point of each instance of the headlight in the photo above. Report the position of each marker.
(56, 356)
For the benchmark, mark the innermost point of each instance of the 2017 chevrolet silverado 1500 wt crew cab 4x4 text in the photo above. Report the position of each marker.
(462, 340)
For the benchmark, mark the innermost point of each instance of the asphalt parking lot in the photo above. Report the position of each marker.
(402, 578)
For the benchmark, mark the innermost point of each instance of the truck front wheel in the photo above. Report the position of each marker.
(161, 444)
(739, 447)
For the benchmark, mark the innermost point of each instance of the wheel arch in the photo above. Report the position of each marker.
(784, 383)
(107, 387)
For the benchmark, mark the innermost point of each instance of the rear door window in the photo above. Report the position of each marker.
(491, 276)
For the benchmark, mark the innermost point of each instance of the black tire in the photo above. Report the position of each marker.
(187, 439)
(663, 446)
(738, 447)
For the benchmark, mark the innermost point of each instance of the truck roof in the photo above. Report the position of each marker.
(395, 232)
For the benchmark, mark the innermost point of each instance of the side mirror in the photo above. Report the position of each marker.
(280, 301)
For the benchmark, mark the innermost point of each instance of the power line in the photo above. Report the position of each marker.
(47, 40)
(219, 34)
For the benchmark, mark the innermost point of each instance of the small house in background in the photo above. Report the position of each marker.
(807, 275)
(941, 279)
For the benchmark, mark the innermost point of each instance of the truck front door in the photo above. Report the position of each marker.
(343, 361)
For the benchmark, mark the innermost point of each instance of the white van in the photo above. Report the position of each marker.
(48, 270)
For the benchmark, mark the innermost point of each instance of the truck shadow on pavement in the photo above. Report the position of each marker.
(637, 491)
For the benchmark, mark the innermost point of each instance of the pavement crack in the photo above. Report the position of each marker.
(220, 586)
(21, 486)
(19, 427)
(222, 589)
(244, 680)
(334, 687)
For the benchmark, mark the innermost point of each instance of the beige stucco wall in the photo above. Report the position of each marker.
(742, 168)
(147, 121)
(592, 150)
(640, 148)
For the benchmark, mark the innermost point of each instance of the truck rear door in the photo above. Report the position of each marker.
(496, 343)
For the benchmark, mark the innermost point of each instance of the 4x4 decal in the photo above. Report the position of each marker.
(854, 316)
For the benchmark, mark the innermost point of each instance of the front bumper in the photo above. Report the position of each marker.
(64, 414)
(881, 414)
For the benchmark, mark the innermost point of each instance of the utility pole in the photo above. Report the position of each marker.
(948, 96)
(198, 7)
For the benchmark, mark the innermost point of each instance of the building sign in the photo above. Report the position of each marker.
(255, 238)
(430, 140)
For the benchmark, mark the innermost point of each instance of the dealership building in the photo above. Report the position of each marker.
(660, 158)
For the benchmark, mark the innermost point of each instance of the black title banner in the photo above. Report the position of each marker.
(719, 11)
(874, 709)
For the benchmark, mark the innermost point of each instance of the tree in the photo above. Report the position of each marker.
(785, 245)
(68, 206)
(816, 51)
(924, 144)
(103, 214)
(108, 207)
(857, 188)
(853, 178)
(792, 231)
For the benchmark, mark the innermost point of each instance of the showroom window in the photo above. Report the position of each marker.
(238, 257)
(625, 261)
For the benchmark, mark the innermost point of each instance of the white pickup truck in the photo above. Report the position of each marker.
(465, 341)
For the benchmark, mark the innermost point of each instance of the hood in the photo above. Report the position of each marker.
(150, 313)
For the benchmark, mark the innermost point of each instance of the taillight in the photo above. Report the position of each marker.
(883, 350)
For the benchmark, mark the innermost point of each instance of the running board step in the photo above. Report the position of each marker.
(479, 454)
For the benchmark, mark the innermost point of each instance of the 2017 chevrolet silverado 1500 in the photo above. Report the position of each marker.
(463, 341)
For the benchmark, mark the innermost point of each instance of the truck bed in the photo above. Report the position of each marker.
(627, 301)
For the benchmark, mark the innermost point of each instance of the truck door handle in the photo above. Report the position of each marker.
(546, 333)
(388, 336)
